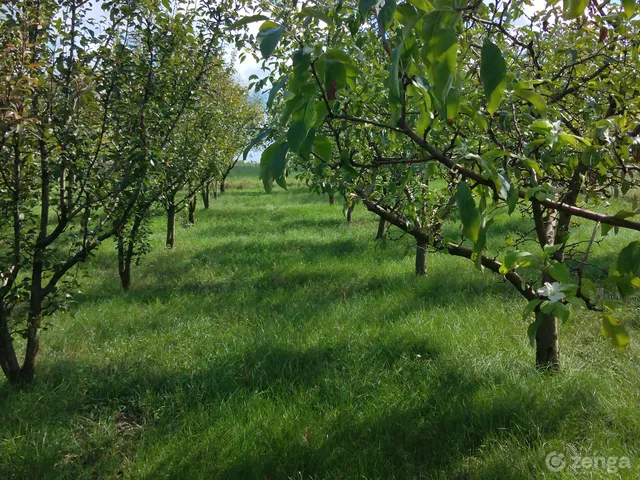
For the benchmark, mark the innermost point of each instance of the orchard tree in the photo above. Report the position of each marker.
(424, 106)
(218, 121)
(202, 119)
(81, 130)
(65, 186)
(165, 48)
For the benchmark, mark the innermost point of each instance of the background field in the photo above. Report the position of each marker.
(276, 341)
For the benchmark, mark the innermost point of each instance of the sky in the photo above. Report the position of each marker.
(249, 66)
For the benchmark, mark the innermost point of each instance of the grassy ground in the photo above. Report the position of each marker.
(277, 342)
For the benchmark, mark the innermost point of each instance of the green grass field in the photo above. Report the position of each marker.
(276, 341)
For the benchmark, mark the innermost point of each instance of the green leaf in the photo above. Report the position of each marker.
(512, 198)
(546, 307)
(365, 7)
(629, 259)
(279, 85)
(469, 213)
(333, 71)
(443, 78)
(574, 8)
(515, 259)
(247, 20)
(561, 311)
(323, 148)
(317, 14)
(321, 112)
(301, 61)
(591, 157)
(307, 145)
(614, 330)
(629, 8)
(493, 72)
(385, 17)
(425, 116)
(531, 306)
(559, 272)
(534, 99)
(423, 5)
(405, 13)
(296, 135)
(444, 50)
(395, 95)
(268, 38)
(453, 104)
(279, 165)
(533, 328)
(542, 127)
(573, 140)
(480, 244)
(478, 118)
(273, 165)
(256, 141)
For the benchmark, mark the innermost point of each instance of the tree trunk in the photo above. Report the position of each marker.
(193, 204)
(215, 190)
(28, 370)
(8, 359)
(547, 346)
(126, 250)
(206, 196)
(332, 199)
(382, 224)
(124, 263)
(125, 273)
(171, 223)
(421, 257)
(350, 213)
(222, 187)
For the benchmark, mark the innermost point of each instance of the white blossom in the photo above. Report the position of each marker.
(551, 291)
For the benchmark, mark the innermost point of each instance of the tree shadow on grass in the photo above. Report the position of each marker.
(136, 395)
(294, 293)
(449, 413)
(427, 438)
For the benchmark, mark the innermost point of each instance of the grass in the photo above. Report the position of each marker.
(276, 341)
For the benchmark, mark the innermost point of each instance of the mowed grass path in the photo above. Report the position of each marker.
(276, 341)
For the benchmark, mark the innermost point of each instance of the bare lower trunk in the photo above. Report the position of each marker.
(171, 224)
(332, 199)
(547, 346)
(126, 251)
(350, 213)
(222, 187)
(206, 196)
(28, 370)
(382, 224)
(421, 257)
(8, 359)
(193, 204)
(124, 264)
(215, 190)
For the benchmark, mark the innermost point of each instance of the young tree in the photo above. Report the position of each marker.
(535, 114)
(199, 109)
(64, 186)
